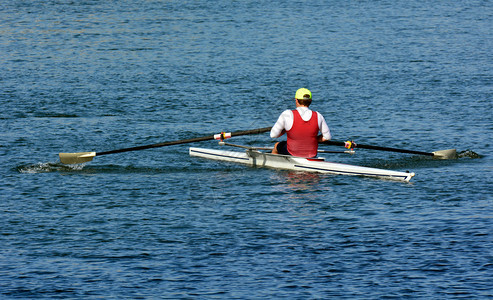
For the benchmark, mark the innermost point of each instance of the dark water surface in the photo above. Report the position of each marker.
(102, 75)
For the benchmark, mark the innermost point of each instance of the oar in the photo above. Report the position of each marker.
(272, 148)
(441, 154)
(82, 157)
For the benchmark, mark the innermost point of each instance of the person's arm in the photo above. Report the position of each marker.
(324, 129)
(279, 128)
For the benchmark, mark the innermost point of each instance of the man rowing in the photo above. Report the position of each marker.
(302, 126)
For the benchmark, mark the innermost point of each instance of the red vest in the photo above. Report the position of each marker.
(302, 137)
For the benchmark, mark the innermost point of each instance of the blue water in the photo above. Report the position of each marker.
(103, 75)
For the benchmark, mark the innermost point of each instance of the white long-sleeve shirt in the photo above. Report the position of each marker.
(285, 122)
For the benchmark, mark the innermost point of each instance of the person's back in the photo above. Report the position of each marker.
(302, 127)
(302, 137)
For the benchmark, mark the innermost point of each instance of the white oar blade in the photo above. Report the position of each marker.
(445, 154)
(76, 158)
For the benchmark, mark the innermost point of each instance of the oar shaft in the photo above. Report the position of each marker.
(199, 139)
(252, 131)
(185, 141)
(362, 146)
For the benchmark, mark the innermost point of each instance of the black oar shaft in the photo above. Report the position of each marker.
(205, 138)
(252, 131)
(185, 141)
(337, 143)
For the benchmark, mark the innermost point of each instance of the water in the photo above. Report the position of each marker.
(96, 76)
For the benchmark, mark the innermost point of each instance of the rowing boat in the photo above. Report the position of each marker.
(255, 157)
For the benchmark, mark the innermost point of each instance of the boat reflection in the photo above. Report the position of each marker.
(300, 182)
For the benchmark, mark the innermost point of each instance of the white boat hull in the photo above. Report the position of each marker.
(260, 159)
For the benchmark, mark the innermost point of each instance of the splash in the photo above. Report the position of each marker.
(48, 167)
(468, 154)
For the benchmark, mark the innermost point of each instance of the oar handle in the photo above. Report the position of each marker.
(362, 146)
(185, 141)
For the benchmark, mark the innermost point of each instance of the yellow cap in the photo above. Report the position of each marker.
(303, 94)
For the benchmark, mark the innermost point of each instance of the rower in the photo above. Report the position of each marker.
(302, 126)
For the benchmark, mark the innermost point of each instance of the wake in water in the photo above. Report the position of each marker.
(468, 154)
(59, 167)
(48, 167)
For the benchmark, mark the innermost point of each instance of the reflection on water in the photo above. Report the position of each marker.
(302, 180)
(299, 185)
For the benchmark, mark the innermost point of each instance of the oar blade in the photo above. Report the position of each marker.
(76, 158)
(445, 154)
